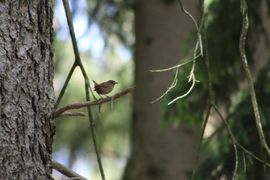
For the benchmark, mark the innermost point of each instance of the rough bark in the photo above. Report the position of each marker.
(159, 153)
(26, 89)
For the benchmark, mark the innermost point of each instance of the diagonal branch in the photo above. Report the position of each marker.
(235, 174)
(66, 171)
(79, 105)
(78, 62)
(65, 85)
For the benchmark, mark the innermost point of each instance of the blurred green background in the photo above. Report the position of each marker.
(104, 57)
(106, 38)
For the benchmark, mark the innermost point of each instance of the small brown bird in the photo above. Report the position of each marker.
(105, 87)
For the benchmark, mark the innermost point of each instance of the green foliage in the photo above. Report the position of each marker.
(190, 108)
(241, 115)
(242, 124)
(222, 27)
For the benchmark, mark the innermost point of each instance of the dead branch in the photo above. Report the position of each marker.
(66, 171)
(79, 105)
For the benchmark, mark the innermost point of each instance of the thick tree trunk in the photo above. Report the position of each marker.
(159, 153)
(26, 89)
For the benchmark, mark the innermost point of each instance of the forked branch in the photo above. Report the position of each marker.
(79, 105)
(197, 52)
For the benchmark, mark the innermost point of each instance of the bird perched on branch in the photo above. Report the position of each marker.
(105, 87)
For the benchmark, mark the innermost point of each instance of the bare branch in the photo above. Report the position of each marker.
(169, 88)
(235, 174)
(192, 76)
(61, 94)
(70, 114)
(242, 43)
(79, 105)
(198, 52)
(176, 66)
(196, 25)
(78, 62)
(252, 155)
(66, 171)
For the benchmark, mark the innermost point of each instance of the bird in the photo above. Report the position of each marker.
(104, 87)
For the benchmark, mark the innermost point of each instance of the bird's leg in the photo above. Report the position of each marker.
(112, 102)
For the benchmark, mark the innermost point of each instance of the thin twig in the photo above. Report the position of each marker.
(65, 85)
(210, 98)
(205, 121)
(244, 163)
(235, 143)
(71, 114)
(207, 63)
(79, 105)
(187, 93)
(196, 25)
(175, 80)
(210, 87)
(198, 47)
(66, 171)
(252, 155)
(176, 66)
(78, 62)
(191, 77)
(93, 134)
(189, 14)
(235, 174)
(242, 43)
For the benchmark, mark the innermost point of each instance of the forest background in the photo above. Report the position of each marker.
(191, 100)
(105, 35)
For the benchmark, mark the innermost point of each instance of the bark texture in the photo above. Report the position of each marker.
(159, 153)
(26, 89)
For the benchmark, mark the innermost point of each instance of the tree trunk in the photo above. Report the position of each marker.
(26, 89)
(159, 153)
